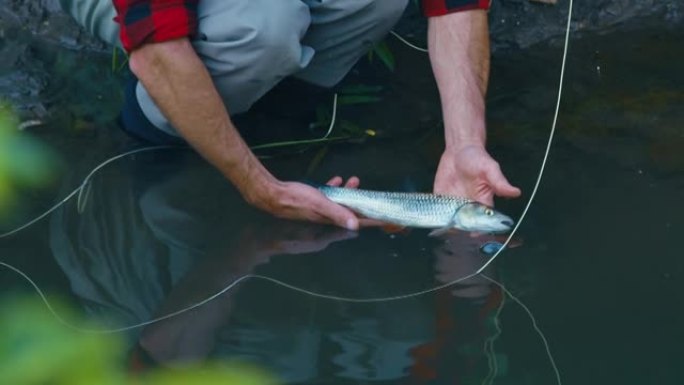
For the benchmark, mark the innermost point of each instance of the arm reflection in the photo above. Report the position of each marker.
(191, 336)
(461, 254)
(466, 315)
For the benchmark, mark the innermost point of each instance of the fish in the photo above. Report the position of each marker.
(421, 210)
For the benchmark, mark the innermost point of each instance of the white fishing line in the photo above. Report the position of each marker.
(408, 43)
(534, 325)
(85, 182)
(332, 119)
(489, 345)
(295, 288)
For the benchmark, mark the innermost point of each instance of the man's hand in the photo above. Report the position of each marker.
(470, 172)
(292, 200)
(459, 54)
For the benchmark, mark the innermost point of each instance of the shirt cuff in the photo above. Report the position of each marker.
(154, 21)
(442, 7)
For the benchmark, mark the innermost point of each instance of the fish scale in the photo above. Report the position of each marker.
(407, 209)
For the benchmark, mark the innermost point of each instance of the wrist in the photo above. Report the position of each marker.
(460, 145)
(259, 187)
(464, 129)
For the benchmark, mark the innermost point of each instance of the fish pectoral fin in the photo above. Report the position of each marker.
(450, 226)
(440, 232)
(393, 229)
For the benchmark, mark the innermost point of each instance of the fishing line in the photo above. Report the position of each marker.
(489, 345)
(246, 277)
(408, 43)
(85, 182)
(301, 290)
(545, 342)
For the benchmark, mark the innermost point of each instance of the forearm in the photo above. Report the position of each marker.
(182, 88)
(459, 54)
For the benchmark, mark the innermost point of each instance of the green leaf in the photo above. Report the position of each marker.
(382, 50)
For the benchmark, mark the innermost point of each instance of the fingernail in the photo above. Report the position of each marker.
(351, 224)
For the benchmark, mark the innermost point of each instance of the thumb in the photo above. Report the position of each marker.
(500, 184)
(338, 215)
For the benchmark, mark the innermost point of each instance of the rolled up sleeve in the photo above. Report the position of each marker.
(443, 7)
(154, 21)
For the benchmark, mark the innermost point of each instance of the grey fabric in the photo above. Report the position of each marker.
(96, 16)
(341, 31)
(248, 46)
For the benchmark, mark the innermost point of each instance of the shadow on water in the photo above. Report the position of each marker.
(599, 264)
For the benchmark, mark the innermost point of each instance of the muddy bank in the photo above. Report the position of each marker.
(522, 23)
(514, 23)
(43, 20)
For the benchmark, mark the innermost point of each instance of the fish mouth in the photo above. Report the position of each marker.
(499, 231)
(502, 226)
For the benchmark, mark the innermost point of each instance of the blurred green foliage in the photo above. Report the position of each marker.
(24, 161)
(37, 349)
(382, 51)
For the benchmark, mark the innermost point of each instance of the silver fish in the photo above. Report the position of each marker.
(421, 210)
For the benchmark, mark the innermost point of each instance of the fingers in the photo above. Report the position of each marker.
(336, 181)
(340, 235)
(337, 214)
(500, 184)
(352, 182)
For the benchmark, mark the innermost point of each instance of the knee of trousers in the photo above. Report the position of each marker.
(248, 52)
(96, 17)
(385, 13)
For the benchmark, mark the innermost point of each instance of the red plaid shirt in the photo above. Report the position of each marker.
(153, 21)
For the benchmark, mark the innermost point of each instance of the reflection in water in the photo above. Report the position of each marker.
(515, 299)
(149, 246)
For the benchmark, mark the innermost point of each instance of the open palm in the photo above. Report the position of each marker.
(470, 172)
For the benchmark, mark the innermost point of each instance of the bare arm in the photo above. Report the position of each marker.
(182, 88)
(459, 53)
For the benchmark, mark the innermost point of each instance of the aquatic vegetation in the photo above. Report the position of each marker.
(382, 51)
(117, 64)
(36, 349)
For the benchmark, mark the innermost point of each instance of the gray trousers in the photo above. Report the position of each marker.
(248, 46)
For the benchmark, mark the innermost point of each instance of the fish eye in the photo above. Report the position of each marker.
(489, 212)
